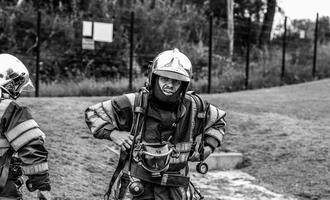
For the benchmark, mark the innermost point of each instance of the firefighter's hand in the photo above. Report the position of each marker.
(122, 138)
(207, 151)
(197, 156)
(44, 195)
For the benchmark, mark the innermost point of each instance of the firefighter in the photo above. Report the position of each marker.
(159, 129)
(22, 150)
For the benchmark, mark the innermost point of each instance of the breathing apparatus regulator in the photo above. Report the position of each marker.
(202, 166)
(135, 186)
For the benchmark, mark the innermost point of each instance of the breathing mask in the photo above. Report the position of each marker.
(154, 157)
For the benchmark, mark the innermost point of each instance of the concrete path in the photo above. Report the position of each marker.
(233, 185)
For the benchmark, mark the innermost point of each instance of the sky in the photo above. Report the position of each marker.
(305, 9)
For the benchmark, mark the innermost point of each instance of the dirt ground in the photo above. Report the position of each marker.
(283, 133)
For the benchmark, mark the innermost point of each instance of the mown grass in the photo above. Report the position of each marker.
(264, 72)
(88, 87)
(283, 133)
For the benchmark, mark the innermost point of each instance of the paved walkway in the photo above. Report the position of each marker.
(233, 185)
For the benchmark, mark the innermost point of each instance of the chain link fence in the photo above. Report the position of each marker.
(298, 50)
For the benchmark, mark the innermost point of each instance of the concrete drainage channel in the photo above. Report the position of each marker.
(223, 182)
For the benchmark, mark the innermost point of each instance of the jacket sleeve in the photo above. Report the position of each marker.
(215, 127)
(115, 114)
(27, 139)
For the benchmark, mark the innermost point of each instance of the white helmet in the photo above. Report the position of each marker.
(14, 76)
(172, 64)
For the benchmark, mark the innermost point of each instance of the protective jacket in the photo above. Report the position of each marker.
(22, 151)
(177, 126)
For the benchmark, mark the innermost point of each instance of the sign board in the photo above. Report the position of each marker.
(88, 43)
(102, 32)
(96, 31)
(302, 34)
(87, 29)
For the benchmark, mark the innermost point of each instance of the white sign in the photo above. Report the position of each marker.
(88, 43)
(102, 32)
(87, 28)
(302, 34)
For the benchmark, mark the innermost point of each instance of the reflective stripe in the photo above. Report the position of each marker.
(3, 151)
(99, 115)
(164, 179)
(7, 198)
(131, 98)
(183, 146)
(35, 169)
(215, 133)
(214, 115)
(98, 110)
(3, 106)
(97, 123)
(4, 143)
(183, 157)
(192, 117)
(20, 128)
(108, 110)
(26, 137)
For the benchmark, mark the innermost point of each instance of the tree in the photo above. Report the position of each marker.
(267, 25)
(230, 17)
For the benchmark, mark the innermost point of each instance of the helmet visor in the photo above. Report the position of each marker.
(28, 87)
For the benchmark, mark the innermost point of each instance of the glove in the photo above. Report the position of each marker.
(44, 195)
(38, 182)
(196, 157)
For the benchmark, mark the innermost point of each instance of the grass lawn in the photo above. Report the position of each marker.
(284, 133)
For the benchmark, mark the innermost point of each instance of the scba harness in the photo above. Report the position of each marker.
(155, 157)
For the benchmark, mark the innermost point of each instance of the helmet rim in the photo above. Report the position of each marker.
(172, 75)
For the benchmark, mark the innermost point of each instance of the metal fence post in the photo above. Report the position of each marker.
(210, 53)
(283, 51)
(38, 50)
(131, 52)
(315, 44)
(247, 66)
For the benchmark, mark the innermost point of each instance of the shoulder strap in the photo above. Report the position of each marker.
(6, 157)
(4, 169)
(121, 163)
(202, 109)
(4, 103)
(139, 109)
